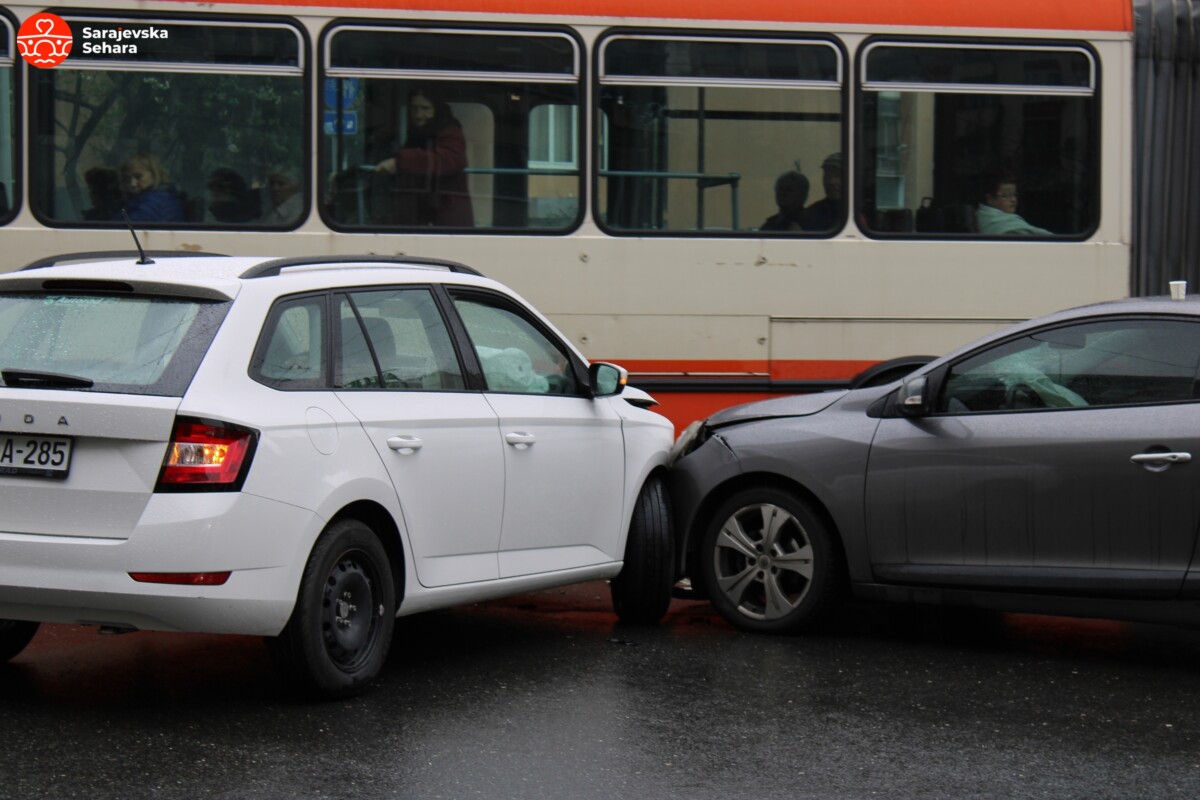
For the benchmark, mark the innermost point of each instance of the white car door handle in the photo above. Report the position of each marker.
(520, 439)
(1161, 458)
(405, 445)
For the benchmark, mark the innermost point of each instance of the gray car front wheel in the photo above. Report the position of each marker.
(770, 563)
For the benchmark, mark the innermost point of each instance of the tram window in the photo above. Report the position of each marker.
(436, 50)
(8, 130)
(450, 129)
(960, 139)
(695, 132)
(205, 127)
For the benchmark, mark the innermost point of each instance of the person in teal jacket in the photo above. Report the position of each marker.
(997, 214)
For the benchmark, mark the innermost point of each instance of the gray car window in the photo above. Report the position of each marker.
(1101, 363)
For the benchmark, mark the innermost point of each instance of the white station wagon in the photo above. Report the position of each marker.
(305, 449)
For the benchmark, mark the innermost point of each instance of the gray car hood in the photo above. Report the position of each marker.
(798, 405)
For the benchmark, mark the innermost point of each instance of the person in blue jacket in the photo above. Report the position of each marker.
(150, 195)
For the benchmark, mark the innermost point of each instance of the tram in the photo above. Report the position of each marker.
(730, 199)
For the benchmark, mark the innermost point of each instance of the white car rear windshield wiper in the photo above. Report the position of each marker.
(49, 380)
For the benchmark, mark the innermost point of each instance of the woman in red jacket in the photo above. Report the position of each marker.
(430, 185)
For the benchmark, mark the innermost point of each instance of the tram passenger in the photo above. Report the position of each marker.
(283, 192)
(430, 183)
(230, 198)
(791, 193)
(824, 214)
(149, 194)
(104, 191)
(997, 214)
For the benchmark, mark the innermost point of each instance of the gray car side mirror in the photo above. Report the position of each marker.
(913, 398)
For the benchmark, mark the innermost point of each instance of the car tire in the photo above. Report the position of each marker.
(770, 563)
(641, 594)
(337, 639)
(15, 636)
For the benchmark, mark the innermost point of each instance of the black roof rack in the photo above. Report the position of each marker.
(271, 268)
(113, 255)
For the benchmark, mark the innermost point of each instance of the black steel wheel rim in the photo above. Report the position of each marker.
(350, 613)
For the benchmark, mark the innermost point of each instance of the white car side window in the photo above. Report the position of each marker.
(292, 357)
(395, 339)
(515, 356)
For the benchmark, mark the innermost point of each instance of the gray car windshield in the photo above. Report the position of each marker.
(104, 343)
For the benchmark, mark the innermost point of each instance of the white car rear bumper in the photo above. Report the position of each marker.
(71, 579)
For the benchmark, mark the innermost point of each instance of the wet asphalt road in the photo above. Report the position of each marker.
(545, 696)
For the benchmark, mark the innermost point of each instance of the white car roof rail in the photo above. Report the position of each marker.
(273, 267)
(113, 255)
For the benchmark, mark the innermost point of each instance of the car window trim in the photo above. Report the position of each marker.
(468, 360)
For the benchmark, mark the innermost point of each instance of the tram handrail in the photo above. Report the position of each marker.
(704, 180)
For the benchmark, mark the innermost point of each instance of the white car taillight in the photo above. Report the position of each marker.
(206, 456)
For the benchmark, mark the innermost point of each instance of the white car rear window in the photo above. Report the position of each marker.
(130, 344)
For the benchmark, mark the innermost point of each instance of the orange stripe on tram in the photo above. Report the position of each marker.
(1066, 15)
(778, 369)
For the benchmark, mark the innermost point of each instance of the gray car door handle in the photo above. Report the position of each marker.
(1158, 458)
(405, 445)
(520, 439)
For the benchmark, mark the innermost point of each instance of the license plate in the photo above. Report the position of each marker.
(41, 456)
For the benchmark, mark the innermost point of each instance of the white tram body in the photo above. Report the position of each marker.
(622, 160)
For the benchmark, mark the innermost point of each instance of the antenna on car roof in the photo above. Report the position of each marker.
(142, 253)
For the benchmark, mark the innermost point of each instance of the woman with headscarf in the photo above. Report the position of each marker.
(430, 182)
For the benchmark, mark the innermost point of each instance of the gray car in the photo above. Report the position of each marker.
(1045, 468)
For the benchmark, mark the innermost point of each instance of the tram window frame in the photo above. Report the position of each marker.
(292, 63)
(767, 179)
(10, 200)
(944, 208)
(511, 94)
